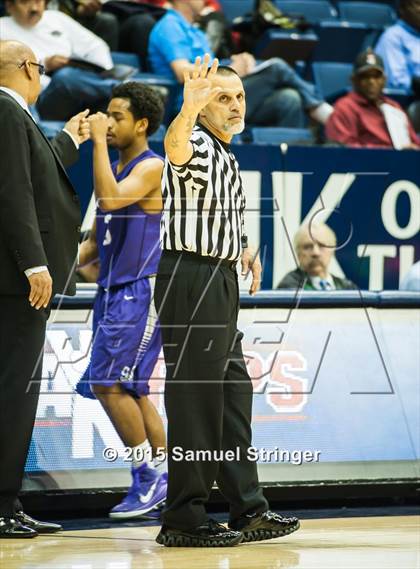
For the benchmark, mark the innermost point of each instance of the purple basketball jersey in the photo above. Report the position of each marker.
(128, 238)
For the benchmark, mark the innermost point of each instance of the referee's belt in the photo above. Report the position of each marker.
(205, 260)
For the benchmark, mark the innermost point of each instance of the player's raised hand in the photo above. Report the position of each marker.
(99, 124)
(198, 88)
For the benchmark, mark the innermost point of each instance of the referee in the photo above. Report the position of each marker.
(208, 392)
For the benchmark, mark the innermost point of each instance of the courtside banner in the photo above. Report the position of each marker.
(371, 198)
(339, 384)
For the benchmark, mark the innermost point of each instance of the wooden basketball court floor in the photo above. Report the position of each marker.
(339, 543)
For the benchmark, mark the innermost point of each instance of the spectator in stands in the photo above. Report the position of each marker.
(411, 280)
(213, 22)
(136, 20)
(57, 40)
(217, 29)
(399, 47)
(276, 95)
(314, 245)
(89, 13)
(365, 117)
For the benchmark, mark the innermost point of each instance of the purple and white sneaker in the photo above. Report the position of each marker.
(147, 493)
(153, 515)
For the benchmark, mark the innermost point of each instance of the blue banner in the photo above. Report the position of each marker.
(371, 198)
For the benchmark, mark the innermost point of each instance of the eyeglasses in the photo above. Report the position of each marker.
(41, 68)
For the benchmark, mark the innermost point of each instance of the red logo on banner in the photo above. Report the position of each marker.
(274, 376)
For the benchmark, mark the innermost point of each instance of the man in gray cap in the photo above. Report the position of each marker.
(365, 117)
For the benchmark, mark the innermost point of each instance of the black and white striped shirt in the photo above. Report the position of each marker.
(203, 201)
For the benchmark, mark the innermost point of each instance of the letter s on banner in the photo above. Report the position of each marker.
(286, 392)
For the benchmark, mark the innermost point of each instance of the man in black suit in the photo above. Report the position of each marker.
(39, 230)
(315, 245)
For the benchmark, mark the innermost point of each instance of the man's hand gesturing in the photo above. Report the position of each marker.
(41, 289)
(198, 90)
(251, 262)
(78, 126)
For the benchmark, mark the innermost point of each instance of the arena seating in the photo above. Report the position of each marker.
(277, 135)
(324, 54)
(342, 41)
(122, 58)
(313, 11)
(50, 128)
(292, 47)
(234, 8)
(159, 135)
(333, 80)
(339, 38)
(370, 13)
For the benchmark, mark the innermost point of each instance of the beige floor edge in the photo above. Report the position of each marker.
(339, 543)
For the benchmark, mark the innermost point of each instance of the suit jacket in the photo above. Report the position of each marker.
(299, 279)
(39, 209)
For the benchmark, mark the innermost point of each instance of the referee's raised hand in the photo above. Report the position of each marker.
(198, 90)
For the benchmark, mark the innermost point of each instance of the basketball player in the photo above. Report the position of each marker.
(126, 340)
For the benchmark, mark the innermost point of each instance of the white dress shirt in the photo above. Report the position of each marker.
(58, 34)
(411, 281)
(397, 123)
(323, 284)
(21, 101)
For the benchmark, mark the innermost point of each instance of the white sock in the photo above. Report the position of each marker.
(142, 454)
(321, 113)
(161, 466)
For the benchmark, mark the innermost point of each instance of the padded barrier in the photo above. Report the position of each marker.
(285, 298)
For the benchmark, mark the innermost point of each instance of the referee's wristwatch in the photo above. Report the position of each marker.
(244, 241)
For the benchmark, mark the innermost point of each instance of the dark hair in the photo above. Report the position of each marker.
(145, 103)
(404, 4)
(226, 70)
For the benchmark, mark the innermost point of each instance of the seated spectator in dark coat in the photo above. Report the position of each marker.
(89, 13)
(136, 19)
(315, 246)
(365, 117)
(399, 47)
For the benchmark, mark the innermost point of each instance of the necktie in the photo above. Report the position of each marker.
(325, 285)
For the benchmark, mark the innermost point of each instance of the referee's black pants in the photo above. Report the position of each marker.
(208, 392)
(22, 334)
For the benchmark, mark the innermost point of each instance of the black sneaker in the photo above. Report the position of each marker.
(268, 525)
(11, 528)
(210, 534)
(38, 526)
